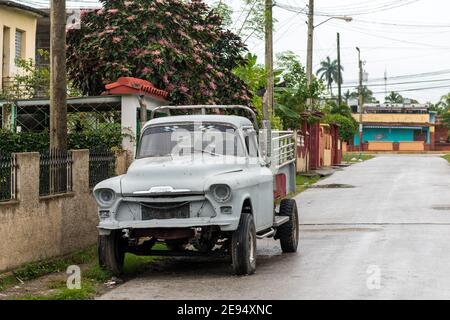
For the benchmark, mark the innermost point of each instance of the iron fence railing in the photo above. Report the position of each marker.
(55, 175)
(102, 164)
(8, 176)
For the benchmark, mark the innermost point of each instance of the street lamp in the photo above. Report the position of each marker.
(344, 18)
(309, 53)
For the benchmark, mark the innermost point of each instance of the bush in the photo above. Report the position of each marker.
(348, 126)
(108, 136)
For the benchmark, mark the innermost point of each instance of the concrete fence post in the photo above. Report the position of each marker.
(80, 171)
(28, 178)
(123, 161)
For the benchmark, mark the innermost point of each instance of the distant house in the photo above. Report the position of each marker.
(397, 127)
(17, 36)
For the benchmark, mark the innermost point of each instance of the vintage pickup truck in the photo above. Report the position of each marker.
(202, 184)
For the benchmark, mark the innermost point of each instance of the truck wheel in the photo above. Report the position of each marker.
(111, 252)
(243, 246)
(288, 232)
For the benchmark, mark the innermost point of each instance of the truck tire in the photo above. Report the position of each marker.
(243, 246)
(111, 252)
(288, 232)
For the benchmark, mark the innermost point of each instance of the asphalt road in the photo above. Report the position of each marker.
(375, 230)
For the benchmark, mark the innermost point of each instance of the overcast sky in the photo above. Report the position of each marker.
(411, 39)
(401, 37)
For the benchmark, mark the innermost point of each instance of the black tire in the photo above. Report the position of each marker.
(243, 246)
(288, 232)
(111, 252)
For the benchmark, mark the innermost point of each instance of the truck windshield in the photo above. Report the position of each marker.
(187, 139)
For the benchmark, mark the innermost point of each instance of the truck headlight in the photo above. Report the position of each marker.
(221, 192)
(106, 196)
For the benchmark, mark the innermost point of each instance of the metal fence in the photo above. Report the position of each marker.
(55, 175)
(102, 165)
(7, 177)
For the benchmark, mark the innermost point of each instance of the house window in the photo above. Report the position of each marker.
(20, 44)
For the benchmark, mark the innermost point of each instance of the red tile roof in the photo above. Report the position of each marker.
(130, 85)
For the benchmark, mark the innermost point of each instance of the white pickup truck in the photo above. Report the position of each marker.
(203, 184)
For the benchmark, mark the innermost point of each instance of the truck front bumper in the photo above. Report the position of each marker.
(225, 223)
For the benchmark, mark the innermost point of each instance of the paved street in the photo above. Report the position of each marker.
(380, 230)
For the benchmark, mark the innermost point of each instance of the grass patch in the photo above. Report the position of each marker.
(38, 269)
(356, 157)
(93, 276)
(303, 182)
(446, 157)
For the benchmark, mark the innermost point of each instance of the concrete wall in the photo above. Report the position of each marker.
(412, 146)
(35, 228)
(380, 146)
(24, 21)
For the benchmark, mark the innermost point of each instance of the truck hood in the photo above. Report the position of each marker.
(180, 173)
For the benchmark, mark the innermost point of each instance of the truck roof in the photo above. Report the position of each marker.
(236, 121)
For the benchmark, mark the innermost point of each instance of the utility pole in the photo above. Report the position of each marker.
(361, 101)
(339, 70)
(309, 48)
(58, 87)
(268, 99)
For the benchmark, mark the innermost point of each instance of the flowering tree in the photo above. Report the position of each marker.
(179, 46)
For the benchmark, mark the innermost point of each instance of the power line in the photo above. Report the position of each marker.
(416, 89)
(397, 83)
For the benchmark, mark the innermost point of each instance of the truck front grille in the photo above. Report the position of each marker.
(171, 210)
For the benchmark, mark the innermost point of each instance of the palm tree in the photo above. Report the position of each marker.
(445, 101)
(329, 71)
(347, 96)
(394, 97)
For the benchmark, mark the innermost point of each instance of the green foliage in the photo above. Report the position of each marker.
(342, 116)
(255, 77)
(224, 11)
(366, 92)
(348, 127)
(394, 97)
(179, 46)
(446, 118)
(32, 81)
(447, 157)
(107, 135)
(292, 92)
(329, 71)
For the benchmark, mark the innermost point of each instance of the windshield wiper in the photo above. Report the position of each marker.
(204, 151)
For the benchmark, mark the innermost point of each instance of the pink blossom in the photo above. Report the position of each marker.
(168, 14)
(165, 79)
(125, 69)
(163, 42)
(130, 18)
(198, 61)
(184, 89)
(100, 12)
(113, 11)
(146, 70)
(209, 67)
(157, 61)
(159, 25)
(219, 74)
(198, 27)
(155, 52)
(128, 3)
(170, 87)
(116, 39)
(212, 85)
